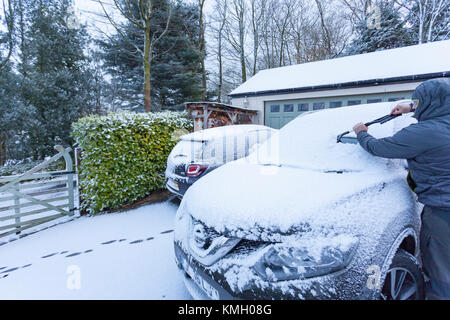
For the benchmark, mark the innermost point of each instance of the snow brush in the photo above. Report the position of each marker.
(381, 120)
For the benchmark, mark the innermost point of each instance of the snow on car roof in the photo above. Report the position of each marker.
(413, 60)
(208, 134)
(309, 141)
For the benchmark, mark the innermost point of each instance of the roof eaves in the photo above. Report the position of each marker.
(346, 85)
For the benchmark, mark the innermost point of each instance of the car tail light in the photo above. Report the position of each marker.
(194, 170)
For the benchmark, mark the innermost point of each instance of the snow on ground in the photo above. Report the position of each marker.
(126, 255)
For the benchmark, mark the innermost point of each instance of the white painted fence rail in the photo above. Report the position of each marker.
(34, 197)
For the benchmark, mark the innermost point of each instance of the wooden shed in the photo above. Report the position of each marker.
(213, 114)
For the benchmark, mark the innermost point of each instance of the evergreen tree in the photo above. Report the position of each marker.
(175, 76)
(391, 33)
(59, 86)
(11, 112)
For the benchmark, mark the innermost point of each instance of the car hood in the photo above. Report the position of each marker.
(249, 200)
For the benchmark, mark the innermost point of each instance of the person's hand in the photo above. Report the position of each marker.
(360, 127)
(401, 108)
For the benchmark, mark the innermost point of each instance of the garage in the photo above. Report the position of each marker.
(281, 94)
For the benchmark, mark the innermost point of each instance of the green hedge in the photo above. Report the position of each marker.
(124, 155)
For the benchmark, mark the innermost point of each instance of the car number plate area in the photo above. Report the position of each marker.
(199, 281)
(173, 184)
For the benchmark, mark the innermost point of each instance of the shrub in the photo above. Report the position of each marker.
(124, 156)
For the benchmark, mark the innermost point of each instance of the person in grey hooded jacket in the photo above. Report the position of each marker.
(426, 146)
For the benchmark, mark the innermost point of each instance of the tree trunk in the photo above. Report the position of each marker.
(2, 151)
(219, 94)
(202, 49)
(147, 71)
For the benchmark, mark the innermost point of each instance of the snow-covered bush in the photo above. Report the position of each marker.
(124, 155)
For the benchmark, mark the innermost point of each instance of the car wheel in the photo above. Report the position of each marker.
(404, 280)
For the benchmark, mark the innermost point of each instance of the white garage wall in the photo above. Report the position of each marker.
(258, 102)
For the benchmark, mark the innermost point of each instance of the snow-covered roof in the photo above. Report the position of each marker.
(415, 60)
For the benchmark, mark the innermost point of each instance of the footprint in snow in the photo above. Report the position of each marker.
(49, 255)
(87, 251)
(10, 270)
(109, 242)
(151, 238)
(136, 241)
(167, 231)
(26, 266)
(73, 254)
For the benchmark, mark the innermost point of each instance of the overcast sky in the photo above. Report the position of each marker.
(88, 11)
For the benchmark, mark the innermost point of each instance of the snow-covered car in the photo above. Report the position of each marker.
(200, 152)
(304, 217)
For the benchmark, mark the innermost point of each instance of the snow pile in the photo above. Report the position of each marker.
(398, 62)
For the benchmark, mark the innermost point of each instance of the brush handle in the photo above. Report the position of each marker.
(384, 119)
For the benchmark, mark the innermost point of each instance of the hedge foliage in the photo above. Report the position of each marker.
(124, 155)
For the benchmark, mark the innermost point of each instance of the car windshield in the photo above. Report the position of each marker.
(309, 141)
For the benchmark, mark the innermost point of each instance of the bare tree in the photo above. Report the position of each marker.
(257, 12)
(220, 19)
(143, 18)
(261, 34)
(202, 46)
(282, 24)
(236, 31)
(427, 13)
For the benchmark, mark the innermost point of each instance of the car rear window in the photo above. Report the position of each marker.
(188, 148)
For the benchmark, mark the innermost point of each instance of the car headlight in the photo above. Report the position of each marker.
(290, 262)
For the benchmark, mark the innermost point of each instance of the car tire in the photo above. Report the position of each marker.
(404, 279)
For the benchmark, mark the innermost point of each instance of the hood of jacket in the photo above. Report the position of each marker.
(434, 99)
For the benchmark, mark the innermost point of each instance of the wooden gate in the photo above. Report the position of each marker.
(35, 197)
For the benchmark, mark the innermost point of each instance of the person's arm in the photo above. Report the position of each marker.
(405, 144)
(405, 107)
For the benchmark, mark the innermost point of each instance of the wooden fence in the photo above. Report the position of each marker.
(35, 197)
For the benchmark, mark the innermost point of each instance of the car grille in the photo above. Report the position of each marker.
(246, 247)
(180, 170)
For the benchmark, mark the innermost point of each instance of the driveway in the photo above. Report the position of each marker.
(126, 255)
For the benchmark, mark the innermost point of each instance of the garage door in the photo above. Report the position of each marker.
(279, 113)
